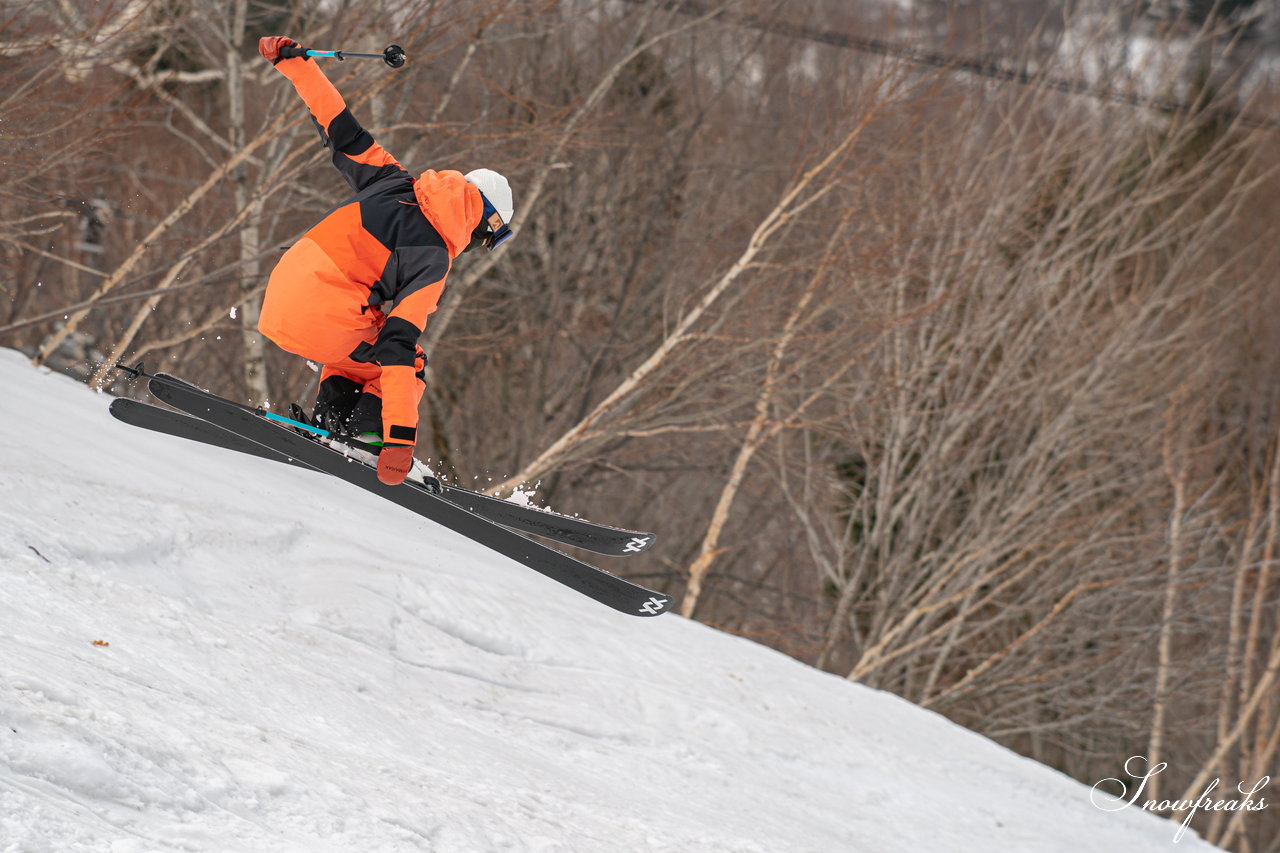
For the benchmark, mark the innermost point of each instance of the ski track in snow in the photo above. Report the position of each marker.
(296, 665)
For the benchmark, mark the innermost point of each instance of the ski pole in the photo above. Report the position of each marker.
(393, 54)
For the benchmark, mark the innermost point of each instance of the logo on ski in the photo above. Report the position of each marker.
(637, 544)
(654, 605)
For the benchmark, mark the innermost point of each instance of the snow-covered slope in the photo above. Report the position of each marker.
(202, 651)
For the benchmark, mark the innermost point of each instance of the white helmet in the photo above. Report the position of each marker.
(496, 191)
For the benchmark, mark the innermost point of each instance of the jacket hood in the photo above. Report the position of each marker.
(451, 204)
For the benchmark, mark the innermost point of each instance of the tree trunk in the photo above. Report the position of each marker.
(255, 350)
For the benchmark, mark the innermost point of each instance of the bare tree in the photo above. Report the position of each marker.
(930, 367)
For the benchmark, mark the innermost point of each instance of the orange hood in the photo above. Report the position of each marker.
(452, 205)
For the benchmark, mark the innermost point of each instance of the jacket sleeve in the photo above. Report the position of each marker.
(358, 157)
(420, 272)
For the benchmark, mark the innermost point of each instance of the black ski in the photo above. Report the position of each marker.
(608, 589)
(170, 422)
(588, 535)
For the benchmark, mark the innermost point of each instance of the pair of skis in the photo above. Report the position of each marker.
(490, 521)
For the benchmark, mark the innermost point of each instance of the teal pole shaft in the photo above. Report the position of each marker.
(339, 54)
(272, 416)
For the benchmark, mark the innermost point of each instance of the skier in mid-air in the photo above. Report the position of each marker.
(354, 293)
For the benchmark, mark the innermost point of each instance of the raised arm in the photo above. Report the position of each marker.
(359, 158)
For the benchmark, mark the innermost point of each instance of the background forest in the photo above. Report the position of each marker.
(938, 341)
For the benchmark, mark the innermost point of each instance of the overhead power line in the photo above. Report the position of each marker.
(989, 68)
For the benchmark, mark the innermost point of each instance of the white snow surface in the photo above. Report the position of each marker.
(292, 664)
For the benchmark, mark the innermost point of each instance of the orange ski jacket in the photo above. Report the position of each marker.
(361, 283)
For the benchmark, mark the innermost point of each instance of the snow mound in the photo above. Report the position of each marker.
(201, 651)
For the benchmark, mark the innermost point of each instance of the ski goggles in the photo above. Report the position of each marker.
(499, 233)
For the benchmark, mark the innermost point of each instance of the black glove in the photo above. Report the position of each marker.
(276, 48)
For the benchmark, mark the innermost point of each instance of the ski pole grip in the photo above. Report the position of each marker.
(293, 52)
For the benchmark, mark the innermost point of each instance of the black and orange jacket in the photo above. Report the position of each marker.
(360, 284)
